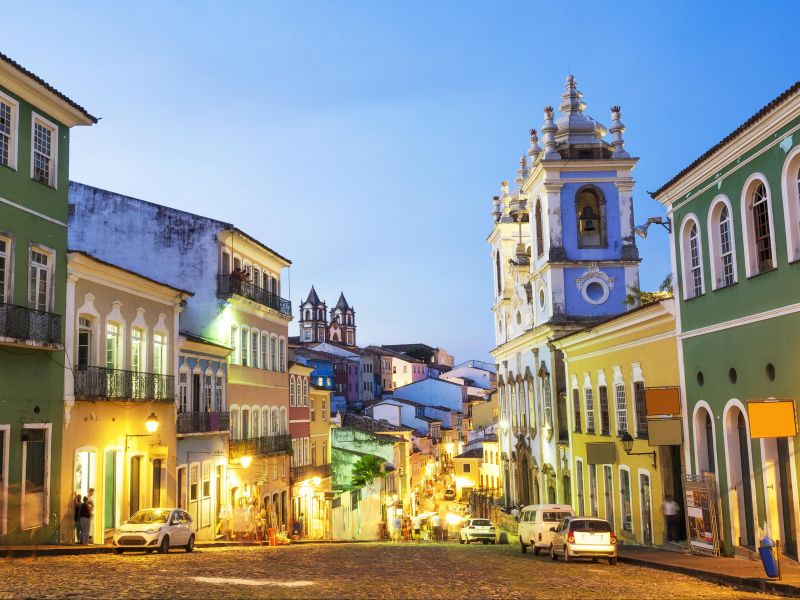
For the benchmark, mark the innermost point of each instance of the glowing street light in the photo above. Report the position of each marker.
(246, 461)
(151, 423)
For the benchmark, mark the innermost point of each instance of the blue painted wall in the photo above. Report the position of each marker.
(569, 223)
(577, 305)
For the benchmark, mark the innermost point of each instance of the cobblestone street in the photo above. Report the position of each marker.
(343, 571)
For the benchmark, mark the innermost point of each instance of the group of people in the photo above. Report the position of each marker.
(82, 514)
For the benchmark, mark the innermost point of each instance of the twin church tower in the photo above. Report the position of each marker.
(314, 325)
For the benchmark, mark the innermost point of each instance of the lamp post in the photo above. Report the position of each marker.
(641, 230)
(627, 445)
(151, 424)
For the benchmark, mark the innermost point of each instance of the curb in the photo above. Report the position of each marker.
(753, 583)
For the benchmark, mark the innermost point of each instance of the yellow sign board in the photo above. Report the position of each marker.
(772, 418)
(664, 432)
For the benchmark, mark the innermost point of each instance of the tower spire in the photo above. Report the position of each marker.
(617, 129)
(549, 135)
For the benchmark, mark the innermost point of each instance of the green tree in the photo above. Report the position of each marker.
(366, 469)
(638, 297)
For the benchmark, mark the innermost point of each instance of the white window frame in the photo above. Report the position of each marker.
(53, 179)
(273, 352)
(264, 349)
(207, 396)
(23, 481)
(580, 491)
(588, 403)
(6, 429)
(13, 146)
(163, 346)
(234, 343)
(183, 388)
(254, 348)
(746, 205)
(6, 287)
(292, 392)
(790, 186)
(626, 469)
(219, 390)
(51, 264)
(282, 354)
(715, 242)
(621, 412)
(689, 268)
(118, 359)
(244, 350)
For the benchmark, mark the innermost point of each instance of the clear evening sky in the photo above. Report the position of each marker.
(364, 140)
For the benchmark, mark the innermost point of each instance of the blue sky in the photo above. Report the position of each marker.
(364, 140)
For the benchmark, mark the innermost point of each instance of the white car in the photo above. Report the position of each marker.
(155, 529)
(478, 530)
(584, 537)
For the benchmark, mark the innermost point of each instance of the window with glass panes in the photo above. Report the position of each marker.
(324, 409)
(43, 153)
(273, 357)
(7, 133)
(112, 346)
(245, 351)
(726, 247)
(576, 407)
(622, 408)
(219, 399)
(695, 269)
(234, 343)
(605, 426)
(39, 283)
(254, 349)
(194, 476)
(548, 400)
(264, 364)
(159, 353)
(641, 408)
(313, 410)
(292, 401)
(5, 269)
(588, 396)
(137, 350)
(763, 236)
(183, 392)
(34, 443)
(207, 479)
(282, 346)
(207, 391)
(625, 500)
(84, 341)
(305, 391)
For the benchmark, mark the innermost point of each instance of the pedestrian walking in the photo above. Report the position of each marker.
(416, 524)
(670, 508)
(76, 517)
(436, 525)
(86, 515)
(91, 516)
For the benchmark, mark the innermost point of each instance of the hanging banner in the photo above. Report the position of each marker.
(662, 401)
(772, 418)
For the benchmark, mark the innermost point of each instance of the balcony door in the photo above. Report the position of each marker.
(196, 392)
(110, 490)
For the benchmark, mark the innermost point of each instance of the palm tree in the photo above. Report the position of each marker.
(366, 469)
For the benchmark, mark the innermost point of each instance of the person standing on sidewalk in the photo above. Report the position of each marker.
(416, 523)
(671, 509)
(436, 525)
(76, 516)
(86, 516)
(91, 516)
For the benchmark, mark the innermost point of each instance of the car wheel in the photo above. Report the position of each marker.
(612, 561)
(485, 542)
(523, 548)
(118, 550)
(535, 550)
(566, 554)
(553, 553)
(461, 539)
(190, 544)
(163, 547)
(148, 551)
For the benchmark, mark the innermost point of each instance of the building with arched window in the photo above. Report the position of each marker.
(564, 256)
(735, 214)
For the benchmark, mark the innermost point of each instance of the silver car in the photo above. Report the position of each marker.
(584, 537)
(478, 530)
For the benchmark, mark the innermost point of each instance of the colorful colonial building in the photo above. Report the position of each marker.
(735, 214)
(35, 122)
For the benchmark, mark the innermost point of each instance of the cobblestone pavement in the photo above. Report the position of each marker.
(404, 570)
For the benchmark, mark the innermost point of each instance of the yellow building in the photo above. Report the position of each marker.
(491, 473)
(119, 436)
(610, 368)
(467, 469)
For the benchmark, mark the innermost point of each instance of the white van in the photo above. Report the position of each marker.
(535, 522)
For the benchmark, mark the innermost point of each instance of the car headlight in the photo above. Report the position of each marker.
(152, 530)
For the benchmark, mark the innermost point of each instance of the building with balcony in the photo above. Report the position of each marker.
(203, 428)
(35, 123)
(120, 349)
(237, 303)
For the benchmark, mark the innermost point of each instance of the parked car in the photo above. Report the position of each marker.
(155, 529)
(450, 494)
(535, 522)
(584, 537)
(478, 530)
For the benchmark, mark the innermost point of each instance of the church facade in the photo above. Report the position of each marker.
(315, 326)
(564, 257)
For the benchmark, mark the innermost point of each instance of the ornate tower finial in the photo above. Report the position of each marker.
(549, 135)
(534, 151)
(522, 172)
(617, 129)
(503, 187)
(571, 98)
(496, 212)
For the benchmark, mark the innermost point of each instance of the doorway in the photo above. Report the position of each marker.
(647, 509)
(608, 480)
(789, 541)
(110, 520)
(748, 536)
(135, 483)
(84, 479)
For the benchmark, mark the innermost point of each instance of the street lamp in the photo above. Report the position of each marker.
(641, 230)
(627, 445)
(246, 461)
(151, 423)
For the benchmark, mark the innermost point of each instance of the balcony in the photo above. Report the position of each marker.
(99, 383)
(28, 327)
(310, 471)
(227, 286)
(203, 422)
(260, 446)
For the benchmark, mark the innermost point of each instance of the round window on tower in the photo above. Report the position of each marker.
(595, 290)
(541, 299)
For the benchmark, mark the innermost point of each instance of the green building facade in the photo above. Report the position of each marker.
(35, 122)
(735, 215)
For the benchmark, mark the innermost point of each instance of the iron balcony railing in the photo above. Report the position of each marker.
(260, 446)
(203, 422)
(227, 285)
(100, 383)
(310, 471)
(23, 324)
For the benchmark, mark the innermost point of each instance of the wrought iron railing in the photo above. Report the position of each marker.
(23, 324)
(100, 383)
(310, 471)
(260, 446)
(202, 422)
(228, 284)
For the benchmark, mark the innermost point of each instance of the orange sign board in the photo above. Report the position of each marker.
(663, 401)
(772, 418)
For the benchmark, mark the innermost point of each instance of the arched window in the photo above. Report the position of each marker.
(757, 228)
(307, 316)
(721, 244)
(292, 401)
(790, 182)
(539, 232)
(284, 426)
(692, 259)
(305, 391)
(275, 428)
(590, 218)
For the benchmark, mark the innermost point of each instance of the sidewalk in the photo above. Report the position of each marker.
(75, 549)
(738, 572)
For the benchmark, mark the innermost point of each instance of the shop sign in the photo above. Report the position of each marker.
(772, 418)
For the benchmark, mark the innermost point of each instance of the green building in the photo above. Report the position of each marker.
(735, 214)
(35, 120)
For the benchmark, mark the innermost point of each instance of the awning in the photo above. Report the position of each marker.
(772, 418)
